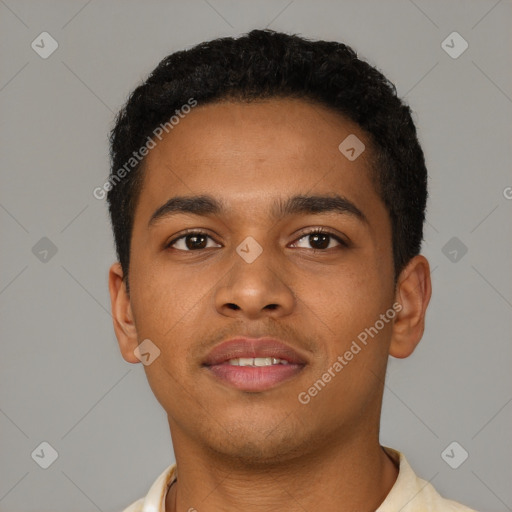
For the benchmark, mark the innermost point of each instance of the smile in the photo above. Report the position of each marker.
(256, 361)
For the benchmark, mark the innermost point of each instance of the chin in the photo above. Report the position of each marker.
(255, 447)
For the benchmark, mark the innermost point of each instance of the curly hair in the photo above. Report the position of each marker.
(265, 64)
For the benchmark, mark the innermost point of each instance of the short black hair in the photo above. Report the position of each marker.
(265, 64)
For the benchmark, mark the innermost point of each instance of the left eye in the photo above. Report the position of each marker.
(323, 239)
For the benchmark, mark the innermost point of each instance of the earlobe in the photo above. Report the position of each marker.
(413, 293)
(124, 326)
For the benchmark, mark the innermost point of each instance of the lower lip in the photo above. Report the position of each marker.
(255, 378)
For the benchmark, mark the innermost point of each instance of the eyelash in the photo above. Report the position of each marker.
(315, 231)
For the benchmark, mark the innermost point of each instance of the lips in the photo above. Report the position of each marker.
(254, 364)
(253, 348)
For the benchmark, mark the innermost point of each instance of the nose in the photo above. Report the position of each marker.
(256, 289)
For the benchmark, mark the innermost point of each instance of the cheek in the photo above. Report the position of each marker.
(356, 339)
(347, 298)
(166, 307)
(161, 298)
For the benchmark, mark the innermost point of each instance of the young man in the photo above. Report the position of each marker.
(267, 197)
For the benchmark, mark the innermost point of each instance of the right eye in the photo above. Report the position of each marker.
(191, 241)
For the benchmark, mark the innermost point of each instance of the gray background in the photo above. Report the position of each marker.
(62, 378)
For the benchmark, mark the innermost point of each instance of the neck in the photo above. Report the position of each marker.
(343, 477)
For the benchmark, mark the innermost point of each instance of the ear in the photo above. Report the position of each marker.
(124, 326)
(413, 292)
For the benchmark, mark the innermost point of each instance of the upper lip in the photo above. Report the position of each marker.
(252, 347)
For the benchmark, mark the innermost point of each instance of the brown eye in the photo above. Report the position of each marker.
(192, 241)
(321, 240)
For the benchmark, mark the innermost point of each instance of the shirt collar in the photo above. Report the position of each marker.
(409, 491)
(155, 498)
(407, 487)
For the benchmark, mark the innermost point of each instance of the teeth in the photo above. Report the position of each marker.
(263, 361)
(256, 361)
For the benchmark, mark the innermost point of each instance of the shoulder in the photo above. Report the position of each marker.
(432, 500)
(413, 494)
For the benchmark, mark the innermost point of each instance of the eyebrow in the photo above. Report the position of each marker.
(205, 205)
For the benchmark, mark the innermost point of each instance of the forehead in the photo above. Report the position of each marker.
(248, 154)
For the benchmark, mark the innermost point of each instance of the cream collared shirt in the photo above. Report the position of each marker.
(408, 494)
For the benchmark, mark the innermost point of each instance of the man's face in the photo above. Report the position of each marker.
(189, 297)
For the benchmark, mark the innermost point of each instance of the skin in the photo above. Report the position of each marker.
(267, 451)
